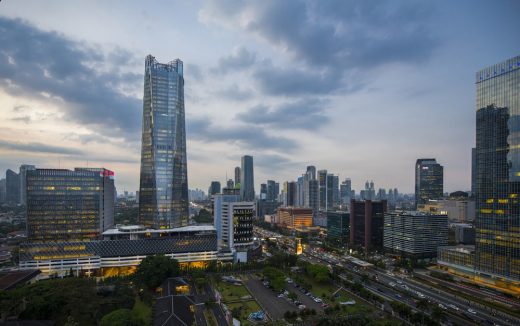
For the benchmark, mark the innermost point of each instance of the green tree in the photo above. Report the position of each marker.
(153, 270)
(120, 317)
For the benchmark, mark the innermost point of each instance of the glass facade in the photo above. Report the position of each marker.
(429, 181)
(163, 191)
(497, 220)
(338, 227)
(247, 187)
(64, 205)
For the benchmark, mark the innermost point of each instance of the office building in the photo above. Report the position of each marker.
(367, 223)
(266, 207)
(296, 218)
(300, 192)
(429, 176)
(338, 227)
(473, 171)
(230, 183)
(23, 182)
(163, 191)
(263, 191)
(247, 186)
(311, 172)
(237, 176)
(121, 251)
(214, 188)
(369, 193)
(271, 190)
(497, 223)
(345, 192)
(415, 234)
(65, 205)
(322, 190)
(463, 233)
(233, 221)
(290, 194)
(332, 189)
(12, 187)
(2, 191)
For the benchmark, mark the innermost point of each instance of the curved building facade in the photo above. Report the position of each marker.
(163, 191)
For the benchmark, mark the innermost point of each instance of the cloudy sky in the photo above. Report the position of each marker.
(360, 88)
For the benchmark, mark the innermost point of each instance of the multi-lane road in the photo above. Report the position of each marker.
(407, 290)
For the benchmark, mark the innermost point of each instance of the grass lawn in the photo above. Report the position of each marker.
(142, 311)
(247, 308)
(231, 292)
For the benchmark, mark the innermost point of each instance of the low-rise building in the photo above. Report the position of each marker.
(296, 218)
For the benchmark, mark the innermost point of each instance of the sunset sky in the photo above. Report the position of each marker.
(360, 88)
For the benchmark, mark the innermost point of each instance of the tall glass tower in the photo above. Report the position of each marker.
(497, 223)
(247, 186)
(163, 191)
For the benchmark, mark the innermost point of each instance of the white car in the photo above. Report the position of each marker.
(442, 306)
(471, 311)
(454, 307)
(318, 300)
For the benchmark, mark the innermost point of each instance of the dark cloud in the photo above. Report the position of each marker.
(234, 92)
(303, 114)
(329, 39)
(240, 59)
(246, 136)
(25, 119)
(39, 148)
(40, 63)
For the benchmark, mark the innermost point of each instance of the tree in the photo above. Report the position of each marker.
(153, 270)
(422, 304)
(120, 317)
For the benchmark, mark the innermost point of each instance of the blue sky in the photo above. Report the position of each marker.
(360, 88)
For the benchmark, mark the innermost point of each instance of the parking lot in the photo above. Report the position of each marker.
(275, 306)
(306, 300)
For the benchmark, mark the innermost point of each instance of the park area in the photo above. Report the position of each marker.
(237, 299)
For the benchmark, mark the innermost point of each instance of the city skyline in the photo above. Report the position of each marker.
(238, 99)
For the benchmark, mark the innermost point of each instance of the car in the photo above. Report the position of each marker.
(280, 295)
(324, 305)
(397, 295)
(471, 311)
(318, 300)
(392, 284)
(442, 306)
(420, 295)
(302, 306)
(454, 307)
(399, 282)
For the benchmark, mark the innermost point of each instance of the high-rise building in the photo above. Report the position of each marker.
(311, 172)
(233, 221)
(367, 223)
(247, 186)
(23, 182)
(214, 188)
(237, 175)
(2, 191)
(230, 184)
(415, 234)
(429, 176)
(65, 205)
(12, 187)
(289, 189)
(473, 171)
(338, 227)
(300, 191)
(271, 195)
(497, 222)
(322, 190)
(163, 191)
(276, 190)
(345, 191)
(263, 191)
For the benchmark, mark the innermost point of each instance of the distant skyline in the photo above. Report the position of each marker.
(360, 88)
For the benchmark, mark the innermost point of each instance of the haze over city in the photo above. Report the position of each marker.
(360, 90)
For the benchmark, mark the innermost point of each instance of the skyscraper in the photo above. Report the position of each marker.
(12, 187)
(345, 191)
(163, 192)
(429, 181)
(322, 190)
(271, 185)
(247, 186)
(214, 188)
(23, 182)
(473, 171)
(497, 222)
(237, 175)
(367, 223)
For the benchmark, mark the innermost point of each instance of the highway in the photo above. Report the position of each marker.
(389, 285)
